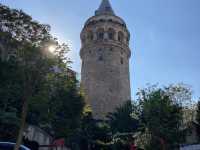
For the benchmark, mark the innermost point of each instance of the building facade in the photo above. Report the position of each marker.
(105, 57)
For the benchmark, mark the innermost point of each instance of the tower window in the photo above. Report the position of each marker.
(120, 36)
(110, 20)
(111, 34)
(100, 50)
(100, 58)
(101, 20)
(122, 60)
(100, 34)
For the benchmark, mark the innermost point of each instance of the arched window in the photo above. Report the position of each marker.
(101, 20)
(110, 20)
(120, 36)
(121, 60)
(100, 58)
(111, 34)
(90, 36)
(100, 34)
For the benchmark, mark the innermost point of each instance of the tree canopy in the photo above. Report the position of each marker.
(35, 82)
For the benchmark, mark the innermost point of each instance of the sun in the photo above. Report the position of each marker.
(52, 49)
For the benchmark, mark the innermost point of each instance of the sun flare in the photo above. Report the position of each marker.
(52, 49)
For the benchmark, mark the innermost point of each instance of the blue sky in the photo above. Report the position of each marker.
(165, 35)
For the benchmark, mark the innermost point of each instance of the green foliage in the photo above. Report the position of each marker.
(92, 133)
(198, 113)
(198, 119)
(124, 119)
(113, 133)
(35, 78)
(10, 103)
(161, 117)
(22, 27)
(69, 106)
(9, 125)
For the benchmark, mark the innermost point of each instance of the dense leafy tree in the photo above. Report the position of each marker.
(198, 118)
(22, 27)
(124, 119)
(10, 104)
(37, 76)
(93, 134)
(162, 119)
(124, 123)
(198, 112)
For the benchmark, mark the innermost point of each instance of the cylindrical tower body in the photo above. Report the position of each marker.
(105, 57)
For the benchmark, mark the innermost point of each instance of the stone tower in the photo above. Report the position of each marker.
(105, 57)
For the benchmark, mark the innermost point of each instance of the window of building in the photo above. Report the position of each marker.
(100, 34)
(100, 58)
(122, 60)
(101, 20)
(120, 36)
(111, 34)
(110, 20)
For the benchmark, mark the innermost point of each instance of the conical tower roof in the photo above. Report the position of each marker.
(105, 8)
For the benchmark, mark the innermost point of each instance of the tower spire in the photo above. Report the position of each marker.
(105, 8)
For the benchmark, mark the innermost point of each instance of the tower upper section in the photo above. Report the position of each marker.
(105, 28)
(105, 8)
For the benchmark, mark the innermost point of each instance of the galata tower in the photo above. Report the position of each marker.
(105, 57)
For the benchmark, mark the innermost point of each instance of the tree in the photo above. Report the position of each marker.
(198, 118)
(34, 68)
(22, 27)
(34, 64)
(67, 106)
(161, 118)
(10, 93)
(124, 119)
(198, 113)
(124, 123)
(92, 134)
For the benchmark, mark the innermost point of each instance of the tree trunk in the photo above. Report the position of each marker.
(22, 124)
